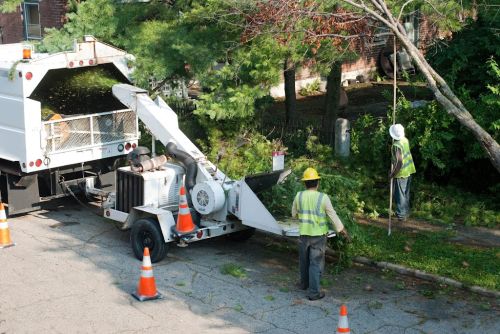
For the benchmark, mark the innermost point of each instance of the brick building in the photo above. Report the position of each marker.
(419, 30)
(30, 20)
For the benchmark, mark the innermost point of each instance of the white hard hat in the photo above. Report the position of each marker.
(397, 131)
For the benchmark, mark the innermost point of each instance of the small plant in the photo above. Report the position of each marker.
(269, 298)
(326, 283)
(311, 88)
(234, 270)
(428, 293)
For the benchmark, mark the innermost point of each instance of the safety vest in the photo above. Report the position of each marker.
(408, 166)
(312, 216)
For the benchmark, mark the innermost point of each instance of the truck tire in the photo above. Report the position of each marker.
(146, 232)
(242, 235)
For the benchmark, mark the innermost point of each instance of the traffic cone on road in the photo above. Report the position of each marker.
(185, 223)
(5, 240)
(146, 289)
(343, 326)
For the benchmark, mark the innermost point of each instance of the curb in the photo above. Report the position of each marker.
(426, 276)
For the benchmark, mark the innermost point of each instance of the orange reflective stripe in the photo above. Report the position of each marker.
(343, 330)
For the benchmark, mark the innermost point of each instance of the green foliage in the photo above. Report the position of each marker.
(12, 71)
(232, 90)
(438, 141)
(463, 60)
(370, 142)
(450, 205)
(433, 134)
(311, 88)
(240, 154)
(269, 298)
(234, 270)
(94, 17)
(9, 6)
(78, 91)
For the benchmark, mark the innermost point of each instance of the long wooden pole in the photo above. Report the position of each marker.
(394, 92)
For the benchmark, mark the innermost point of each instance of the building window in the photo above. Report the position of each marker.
(410, 23)
(32, 27)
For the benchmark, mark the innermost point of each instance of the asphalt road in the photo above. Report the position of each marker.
(73, 272)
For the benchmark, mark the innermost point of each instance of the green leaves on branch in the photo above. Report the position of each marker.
(231, 89)
(9, 6)
(95, 17)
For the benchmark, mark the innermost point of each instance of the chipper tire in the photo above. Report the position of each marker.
(146, 232)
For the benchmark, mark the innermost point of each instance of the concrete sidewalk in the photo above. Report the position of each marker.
(73, 272)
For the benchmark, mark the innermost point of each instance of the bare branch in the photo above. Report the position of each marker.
(402, 8)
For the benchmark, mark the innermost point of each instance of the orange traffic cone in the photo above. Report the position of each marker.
(343, 326)
(5, 240)
(185, 223)
(146, 289)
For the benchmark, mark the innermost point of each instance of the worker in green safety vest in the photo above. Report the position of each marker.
(402, 167)
(314, 209)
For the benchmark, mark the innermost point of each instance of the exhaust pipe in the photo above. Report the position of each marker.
(187, 161)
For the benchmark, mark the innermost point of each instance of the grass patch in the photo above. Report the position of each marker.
(234, 270)
(431, 252)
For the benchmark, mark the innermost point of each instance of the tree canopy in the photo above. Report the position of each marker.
(235, 49)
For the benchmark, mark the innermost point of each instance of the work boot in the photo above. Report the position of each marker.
(316, 297)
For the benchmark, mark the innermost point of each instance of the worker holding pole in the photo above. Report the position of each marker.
(401, 171)
(313, 209)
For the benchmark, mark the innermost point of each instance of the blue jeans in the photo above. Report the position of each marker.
(312, 262)
(401, 196)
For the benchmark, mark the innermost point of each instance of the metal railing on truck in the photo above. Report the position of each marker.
(69, 133)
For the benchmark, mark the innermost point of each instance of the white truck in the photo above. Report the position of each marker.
(37, 154)
(40, 159)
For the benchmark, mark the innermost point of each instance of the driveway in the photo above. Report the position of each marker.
(72, 272)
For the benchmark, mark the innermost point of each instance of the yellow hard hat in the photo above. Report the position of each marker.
(310, 174)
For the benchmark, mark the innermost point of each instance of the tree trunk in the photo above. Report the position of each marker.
(290, 97)
(439, 87)
(332, 99)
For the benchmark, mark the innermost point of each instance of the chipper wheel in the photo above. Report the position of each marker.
(146, 232)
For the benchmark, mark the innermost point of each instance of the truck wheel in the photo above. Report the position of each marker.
(242, 235)
(146, 232)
